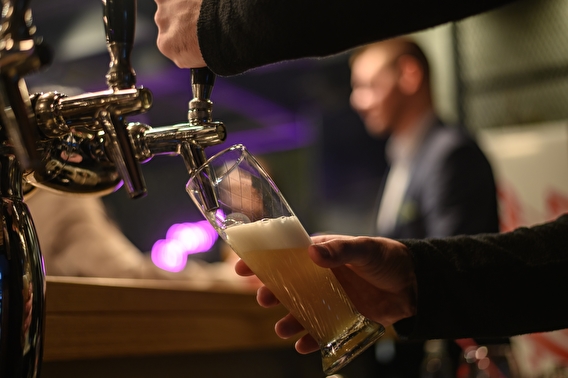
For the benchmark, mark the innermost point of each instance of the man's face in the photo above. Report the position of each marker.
(375, 92)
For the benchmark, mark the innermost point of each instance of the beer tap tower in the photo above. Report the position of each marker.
(73, 144)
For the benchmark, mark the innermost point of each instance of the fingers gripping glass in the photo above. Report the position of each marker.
(254, 219)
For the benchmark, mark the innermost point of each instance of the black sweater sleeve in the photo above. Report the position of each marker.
(237, 35)
(491, 285)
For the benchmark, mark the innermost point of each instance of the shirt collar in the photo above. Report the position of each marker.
(403, 147)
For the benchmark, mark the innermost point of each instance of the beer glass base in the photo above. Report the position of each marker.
(356, 339)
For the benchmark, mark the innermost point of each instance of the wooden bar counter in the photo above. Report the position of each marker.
(138, 328)
(100, 317)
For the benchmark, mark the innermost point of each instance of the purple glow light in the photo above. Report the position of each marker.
(277, 129)
(220, 216)
(168, 255)
(182, 239)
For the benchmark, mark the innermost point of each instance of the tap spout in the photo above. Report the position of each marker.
(200, 109)
(185, 140)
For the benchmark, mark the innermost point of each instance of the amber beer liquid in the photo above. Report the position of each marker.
(276, 250)
(249, 212)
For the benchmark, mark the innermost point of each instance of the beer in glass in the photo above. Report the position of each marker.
(253, 217)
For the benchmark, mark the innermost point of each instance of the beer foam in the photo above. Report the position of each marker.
(268, 234)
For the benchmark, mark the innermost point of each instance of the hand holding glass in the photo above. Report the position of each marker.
(253, 217)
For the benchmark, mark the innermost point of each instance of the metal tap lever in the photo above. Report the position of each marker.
(20, 54)
(200, 109)
(202, 82)
(119, 19)
(199, 114)
(186, 140)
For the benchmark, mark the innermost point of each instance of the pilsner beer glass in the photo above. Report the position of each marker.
(252, 216)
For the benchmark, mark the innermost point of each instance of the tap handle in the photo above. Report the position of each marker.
(120, 20)
(202, 82)
(202, 75)
(200, 107)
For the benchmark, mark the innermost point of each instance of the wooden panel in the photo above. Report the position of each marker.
(97, 318)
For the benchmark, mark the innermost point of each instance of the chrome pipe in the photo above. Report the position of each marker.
(22, 277)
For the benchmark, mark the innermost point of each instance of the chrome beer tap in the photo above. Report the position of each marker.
(79, 144)
(75, 147)
(22, 276)
(86, 145)
(187, 140)
(85, 141)
(119, 18)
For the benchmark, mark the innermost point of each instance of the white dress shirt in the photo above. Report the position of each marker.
(400, 151)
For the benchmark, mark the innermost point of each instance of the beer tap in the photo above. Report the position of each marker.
(119, 18)
(74, 147)
(22, 277)
(86, 146)
(187, 140)
(73, 144)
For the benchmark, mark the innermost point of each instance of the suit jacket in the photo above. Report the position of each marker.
(451, 189)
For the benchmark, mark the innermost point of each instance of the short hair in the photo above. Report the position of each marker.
(401, 46)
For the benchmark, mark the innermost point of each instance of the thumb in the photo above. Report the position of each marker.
(337, 252)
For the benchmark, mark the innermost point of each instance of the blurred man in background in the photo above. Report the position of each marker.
(439, 183)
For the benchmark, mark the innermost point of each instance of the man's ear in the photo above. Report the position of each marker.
(411, 74)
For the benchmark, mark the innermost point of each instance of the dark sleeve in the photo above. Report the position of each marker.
(492, 285)
(237, 35)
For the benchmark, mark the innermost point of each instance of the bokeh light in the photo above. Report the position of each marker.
(182, 239)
